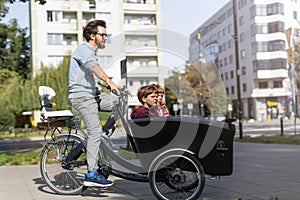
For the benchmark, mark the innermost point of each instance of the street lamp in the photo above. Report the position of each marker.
(201, 99)
(239, 103)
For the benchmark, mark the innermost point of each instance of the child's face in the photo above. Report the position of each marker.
(150, 100)
(160, 97)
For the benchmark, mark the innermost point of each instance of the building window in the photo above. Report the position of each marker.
(232, 89)
(241, 20)
(276, 27)
(229, 44)
(227, 90)
(277, 84)
(144, 62)
(229, 28)
(54, 39)
(277, 45)
(69, 40)
(243, 53)
(54, 16)
(231, 59)
(221, 63)
(226, 75)
(219, 34)
(263, 85)
(231, 74)
(258, 10)
(242, 37)
(224, 46)
(255, 65)
(295, 15)
(106, 16)
(54, 61)
(244, 87)
(275, 8)
(296, 32)
(244, 70)
(127, 19)
(224, 32)
(105, 60)
(131, 83)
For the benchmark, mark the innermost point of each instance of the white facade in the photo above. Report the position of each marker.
(132, 26)
(262, 44)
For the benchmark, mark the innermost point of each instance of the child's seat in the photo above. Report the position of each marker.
(52, 119)
(46, 94)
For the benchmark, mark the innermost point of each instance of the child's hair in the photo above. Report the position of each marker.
(144, 91)
(160, 89)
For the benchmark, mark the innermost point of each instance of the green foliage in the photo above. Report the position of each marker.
(214, 95)
(22, 95)
(7, 119)
(29, 158)
(275, 139)
(14, 49)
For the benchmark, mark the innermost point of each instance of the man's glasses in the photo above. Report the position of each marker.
(102, 34)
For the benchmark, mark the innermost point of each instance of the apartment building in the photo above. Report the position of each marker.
(132, 27)
(265, 84)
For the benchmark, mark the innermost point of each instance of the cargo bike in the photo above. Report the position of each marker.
(173, 154)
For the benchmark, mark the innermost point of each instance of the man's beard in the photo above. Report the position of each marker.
(101, 46)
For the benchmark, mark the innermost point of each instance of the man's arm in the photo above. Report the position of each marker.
(98, 71)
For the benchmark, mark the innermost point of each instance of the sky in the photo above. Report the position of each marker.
(181, 17)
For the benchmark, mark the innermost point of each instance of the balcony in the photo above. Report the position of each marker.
(270, 55)
(64, 49)
(63, 26)
(271, 74)
(270, 92)
(139, 7)
(142, 71)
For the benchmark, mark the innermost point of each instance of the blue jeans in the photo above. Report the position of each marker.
(88, 111)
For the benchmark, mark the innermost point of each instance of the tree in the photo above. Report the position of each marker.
(14, 49)
(188, 88)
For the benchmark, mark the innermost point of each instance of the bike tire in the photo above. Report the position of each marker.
(177, 176)
(58, 175)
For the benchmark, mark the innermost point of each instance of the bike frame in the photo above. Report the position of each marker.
(106, 145)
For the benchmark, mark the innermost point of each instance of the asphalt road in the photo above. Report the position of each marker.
(251, 129)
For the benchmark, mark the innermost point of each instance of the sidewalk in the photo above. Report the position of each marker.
(261, 172)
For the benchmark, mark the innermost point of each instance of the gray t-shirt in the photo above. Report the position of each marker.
(82, 81)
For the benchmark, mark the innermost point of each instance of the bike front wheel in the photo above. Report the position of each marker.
(63, 164)
(177, 176)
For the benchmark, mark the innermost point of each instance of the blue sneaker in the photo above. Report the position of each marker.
(96, 179)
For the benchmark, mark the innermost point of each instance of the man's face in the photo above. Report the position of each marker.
(101, 37)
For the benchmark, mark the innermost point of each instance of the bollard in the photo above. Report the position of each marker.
(281, 126)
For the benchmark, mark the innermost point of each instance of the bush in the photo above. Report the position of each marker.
(7, 120)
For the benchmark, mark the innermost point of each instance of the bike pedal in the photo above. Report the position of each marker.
(84, 188)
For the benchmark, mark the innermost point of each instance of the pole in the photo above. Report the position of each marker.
(294, 97)
(201, 110)
(239, 103)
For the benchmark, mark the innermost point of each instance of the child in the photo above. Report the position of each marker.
(160, 109)
(147, 95)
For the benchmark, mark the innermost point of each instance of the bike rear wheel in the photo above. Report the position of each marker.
(64, 172)
(177, 176)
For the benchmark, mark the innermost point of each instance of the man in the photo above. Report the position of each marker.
(84, 69)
